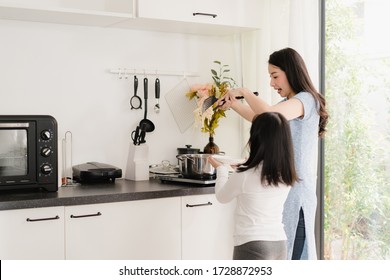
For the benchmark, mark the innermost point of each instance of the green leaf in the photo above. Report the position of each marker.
(191, 95)
(217, 62)
(214, 72)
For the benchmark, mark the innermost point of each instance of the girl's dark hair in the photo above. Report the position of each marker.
(298, 77)
(270, 143)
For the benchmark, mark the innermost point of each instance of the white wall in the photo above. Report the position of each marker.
(63, 70)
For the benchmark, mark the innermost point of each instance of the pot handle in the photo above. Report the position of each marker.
(184, 156)
(179, 157)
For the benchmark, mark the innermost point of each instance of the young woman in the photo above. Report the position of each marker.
(261, 186)
(304, 107)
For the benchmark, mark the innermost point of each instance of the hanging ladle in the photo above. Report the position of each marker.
(145, 124)
(135, 100)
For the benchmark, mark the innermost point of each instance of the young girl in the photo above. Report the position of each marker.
(304, 107)
(261, 186)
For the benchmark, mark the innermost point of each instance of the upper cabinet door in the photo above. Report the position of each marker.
(216, 17)
(235, 13)
(85, 12)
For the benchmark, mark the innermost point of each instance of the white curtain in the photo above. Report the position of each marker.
(285, 23)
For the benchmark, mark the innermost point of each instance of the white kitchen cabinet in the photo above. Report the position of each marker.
(35, 233)
(142, 229)
(189, 227)
(219, 12)
(85, 12)
(207, 228)
(217, 17)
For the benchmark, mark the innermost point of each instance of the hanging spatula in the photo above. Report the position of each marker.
(212, 99)
(208, 102)
(238, 97)
(157, 95)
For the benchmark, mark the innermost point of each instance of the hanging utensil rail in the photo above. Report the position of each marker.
(126, 72)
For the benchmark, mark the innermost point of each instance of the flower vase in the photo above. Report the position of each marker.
(211, 147)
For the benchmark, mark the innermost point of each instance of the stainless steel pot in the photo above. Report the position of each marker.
(195, 166)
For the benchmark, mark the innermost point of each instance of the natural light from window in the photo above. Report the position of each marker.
(357, 161)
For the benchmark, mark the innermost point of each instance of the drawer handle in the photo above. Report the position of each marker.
(202, 204)
(85, 216)
(204, 14)
(43, 219)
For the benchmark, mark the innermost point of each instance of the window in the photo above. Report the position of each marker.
(357, 145)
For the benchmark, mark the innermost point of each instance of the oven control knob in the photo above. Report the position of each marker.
(46, 169)
(45, 134)
(46, 151)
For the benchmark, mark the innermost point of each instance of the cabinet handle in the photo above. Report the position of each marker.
(43, 219)
(202, 204)
(204, 14)
(85, 216)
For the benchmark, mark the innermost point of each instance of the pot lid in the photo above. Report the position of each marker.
(188, 150)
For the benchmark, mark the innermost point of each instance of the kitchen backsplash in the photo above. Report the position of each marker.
(64, 71)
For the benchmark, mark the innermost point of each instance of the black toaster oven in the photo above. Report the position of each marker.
(28, 152)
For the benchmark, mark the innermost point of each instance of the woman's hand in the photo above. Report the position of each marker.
(237, 93)
(228, 100)
(231, 97)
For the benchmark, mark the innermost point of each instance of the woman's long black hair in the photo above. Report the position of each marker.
(270, 145)
(290, 62)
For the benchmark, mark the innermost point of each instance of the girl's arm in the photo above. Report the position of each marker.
(226, 189)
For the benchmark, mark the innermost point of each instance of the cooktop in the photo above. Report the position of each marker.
(181, 179)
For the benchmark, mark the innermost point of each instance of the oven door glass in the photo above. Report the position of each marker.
(13, 152)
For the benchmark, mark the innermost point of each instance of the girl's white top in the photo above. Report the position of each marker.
(258, 214)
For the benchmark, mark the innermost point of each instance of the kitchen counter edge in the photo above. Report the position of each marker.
(121, 190)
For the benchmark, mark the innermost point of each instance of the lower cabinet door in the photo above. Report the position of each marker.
(32, 234)
(142, 229)
(207, 228)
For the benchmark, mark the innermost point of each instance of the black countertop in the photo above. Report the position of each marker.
(121, 190)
